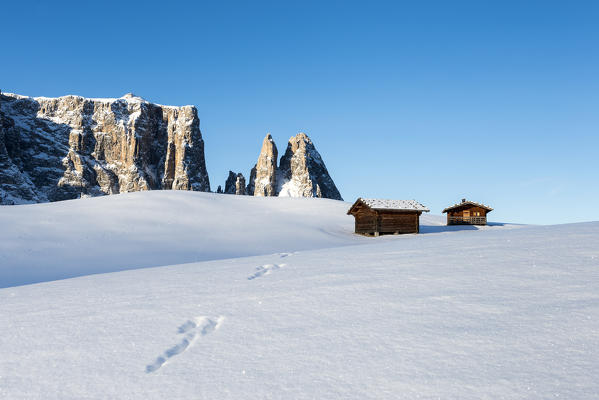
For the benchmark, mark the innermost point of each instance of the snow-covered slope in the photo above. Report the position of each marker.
(146, 229)
(468, 315)
(460, 314)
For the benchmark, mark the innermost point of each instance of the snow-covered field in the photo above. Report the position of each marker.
(43, 242)
(290, 304)
(49, 241)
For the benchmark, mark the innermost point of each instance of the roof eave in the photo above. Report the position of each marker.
(349, 212)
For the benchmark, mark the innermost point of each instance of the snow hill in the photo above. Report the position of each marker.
(147, 229)
(306, 310)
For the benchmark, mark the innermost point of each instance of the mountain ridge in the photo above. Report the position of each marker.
(301, 172)
(71, 146)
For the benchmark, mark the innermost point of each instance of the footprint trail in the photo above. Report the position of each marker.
(192, 329)
(265, 270)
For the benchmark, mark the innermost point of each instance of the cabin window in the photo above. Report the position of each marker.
(466, 214)
(477, 213)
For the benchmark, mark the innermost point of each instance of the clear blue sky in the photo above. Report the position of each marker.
(494, 101)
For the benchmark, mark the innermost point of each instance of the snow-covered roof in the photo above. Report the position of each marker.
(468, 203)
(397, 205)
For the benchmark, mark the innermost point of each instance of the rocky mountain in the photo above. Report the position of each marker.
(264, 174)
(300, 173)
(240, 185)
(235, 184)
(68, 147)
(251, 187)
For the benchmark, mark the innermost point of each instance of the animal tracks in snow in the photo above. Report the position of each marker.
(265, 270)
(192, 330)
(201, 326)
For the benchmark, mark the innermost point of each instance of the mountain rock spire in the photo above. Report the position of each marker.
(265, 181)
(302, 172)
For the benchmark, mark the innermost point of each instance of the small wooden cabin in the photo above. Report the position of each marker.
(467, 212)
(375, 216)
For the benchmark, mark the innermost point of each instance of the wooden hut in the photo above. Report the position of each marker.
(375, 216)
(467, 212)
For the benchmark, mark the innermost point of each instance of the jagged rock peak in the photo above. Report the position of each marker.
(230, 183)
(131, 96)
(265, 180)
(302, 172)
(235, 184)
(71, 146)
(252, 183)
(240, 185)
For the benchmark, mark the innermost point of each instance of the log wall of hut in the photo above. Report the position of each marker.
(467, 215)
(372, 222)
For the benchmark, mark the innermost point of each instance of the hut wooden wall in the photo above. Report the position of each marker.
(480, 219)
(400, 222)
(369, 221)
(366, 221)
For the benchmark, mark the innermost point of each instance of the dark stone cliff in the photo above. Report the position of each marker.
(68, 147)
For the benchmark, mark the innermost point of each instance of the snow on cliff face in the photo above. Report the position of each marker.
(69, 147)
